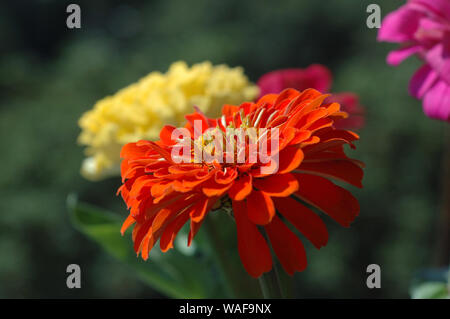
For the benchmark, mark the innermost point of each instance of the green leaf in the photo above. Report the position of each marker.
(431, 290)
(431, 283)
(173, 273)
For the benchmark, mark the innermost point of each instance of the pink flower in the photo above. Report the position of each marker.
(318, 77)
(315, 76)
(422, 27)
(350, 104)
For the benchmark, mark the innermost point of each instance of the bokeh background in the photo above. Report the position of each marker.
(50, 75)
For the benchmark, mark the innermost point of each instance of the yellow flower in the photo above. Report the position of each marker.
(140, 110)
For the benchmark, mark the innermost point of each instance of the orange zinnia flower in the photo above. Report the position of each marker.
(163, 195)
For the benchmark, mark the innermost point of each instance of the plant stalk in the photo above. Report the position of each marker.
(218, 249)
(270, 285)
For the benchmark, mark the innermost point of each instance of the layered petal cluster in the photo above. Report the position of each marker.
(318, 77)
(422, 27)
(164, 195)
(140, 110)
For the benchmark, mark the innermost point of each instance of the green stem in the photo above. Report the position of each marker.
(222, 260)
(281, 287)
(270, 282)
(270, 285)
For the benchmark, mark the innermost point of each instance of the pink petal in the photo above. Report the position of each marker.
(320, 77)
(315, 76)
(422, 81)
(354, 122)
(439, 8)
(349, 103)
(396, 57)
(439, 59)
(433, 25)
(430, 32)
(428, 23)
(271, 82)
(400, 25)
(436, 103)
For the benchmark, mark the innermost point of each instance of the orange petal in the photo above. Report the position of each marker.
(198, 211)
(268, 98)
(241, 188)
(286, 94)
(309, 118)
(195, 227)
(198, 117)
(162, 188)
(226, 177)
(198, 216)
(342, 170)
(127, 223)
(280, 185)
(168, 213)
(253, 250)
(171, 231)
(333, 200)
(140, 232)
(161, 151)
(166, 135)
(300, 136)
(309, 94)
(289, 159)
(306, 102)
(334, 108)
(325, 145)
(320, 124)
(132, 150)
(339, 134)
(260, 208)
(150, 240)
(229, 110)
(211, 188)
(288, 247)
(304, 219)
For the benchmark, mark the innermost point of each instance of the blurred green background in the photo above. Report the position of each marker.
(50, 75)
